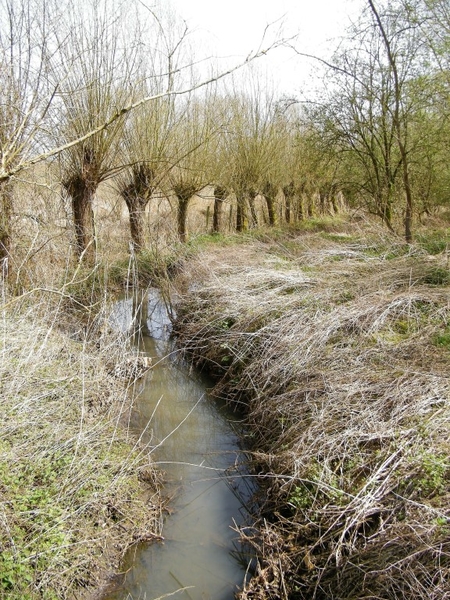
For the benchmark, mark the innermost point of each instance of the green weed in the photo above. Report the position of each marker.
(433, 472)
(434, 242)
(442, 340)
(437, 276)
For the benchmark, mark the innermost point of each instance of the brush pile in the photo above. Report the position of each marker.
(72, 491)
(338, 350)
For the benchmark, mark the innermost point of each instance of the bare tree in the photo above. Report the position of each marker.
(376, 94)
(147, 137)
(100, 80)
(397, 48)
(192, 147)
(145, 154)
(28, 44)
(251, 150)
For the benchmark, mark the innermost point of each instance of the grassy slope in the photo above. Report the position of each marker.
(337, 343)
(71, 478)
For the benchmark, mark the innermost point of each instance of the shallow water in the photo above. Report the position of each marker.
(196, 444)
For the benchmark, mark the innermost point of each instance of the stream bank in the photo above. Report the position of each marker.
(337, 345)
(75, 488)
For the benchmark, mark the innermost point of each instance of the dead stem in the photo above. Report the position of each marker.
(339, 358)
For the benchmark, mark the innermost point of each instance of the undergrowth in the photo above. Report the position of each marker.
(336, 346)
(75, 487)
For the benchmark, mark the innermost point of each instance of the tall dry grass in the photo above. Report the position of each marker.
(76, 486)
(337, 345)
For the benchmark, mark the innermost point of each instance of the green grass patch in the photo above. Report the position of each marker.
(442, 340)
(437, 276)
(434, 242)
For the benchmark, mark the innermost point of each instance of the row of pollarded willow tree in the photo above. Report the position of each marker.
(377, 132)
(111, 92)
(244, 143)
(73, 79)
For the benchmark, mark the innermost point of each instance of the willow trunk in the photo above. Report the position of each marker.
(6, 209)
(82, 194)
(136, 210)
(182, 218)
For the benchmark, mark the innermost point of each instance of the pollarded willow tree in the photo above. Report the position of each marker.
(100, 81)
(137, 190)
(220, 114)
(146, 141)
(193, 144)
(251, 152)
(144, 150)
(309, 167)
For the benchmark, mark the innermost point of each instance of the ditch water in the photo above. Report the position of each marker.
(196, 443)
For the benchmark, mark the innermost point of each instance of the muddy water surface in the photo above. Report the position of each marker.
(196, 444)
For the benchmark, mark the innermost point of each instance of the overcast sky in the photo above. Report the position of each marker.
(235, 27)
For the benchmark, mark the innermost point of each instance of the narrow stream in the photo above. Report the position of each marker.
(196, 444)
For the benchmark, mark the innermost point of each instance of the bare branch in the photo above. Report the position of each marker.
(7, 173)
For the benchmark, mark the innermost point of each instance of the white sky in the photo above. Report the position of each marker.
(235, 27)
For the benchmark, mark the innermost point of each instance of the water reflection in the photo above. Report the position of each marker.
(195, 444)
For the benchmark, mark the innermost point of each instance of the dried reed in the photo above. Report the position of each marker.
(337, 347)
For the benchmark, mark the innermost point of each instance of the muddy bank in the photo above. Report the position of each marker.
(337, 346)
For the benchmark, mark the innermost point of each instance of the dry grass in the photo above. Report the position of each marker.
(337, 346)
(76, 488)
